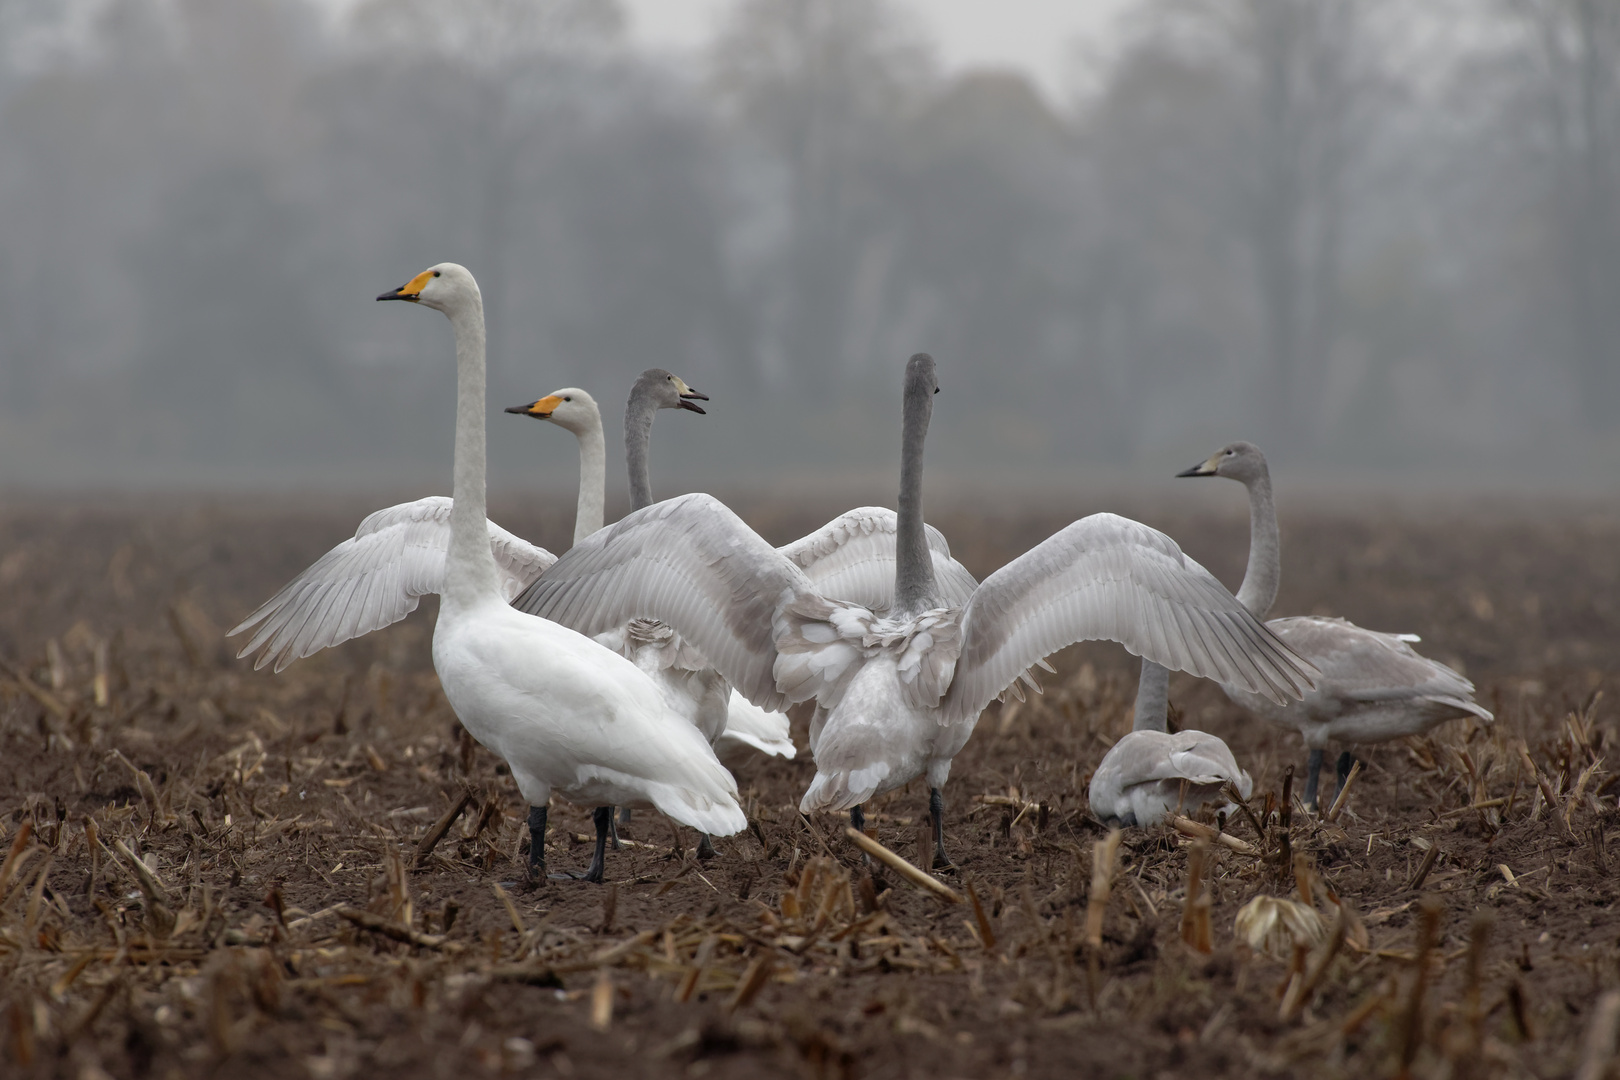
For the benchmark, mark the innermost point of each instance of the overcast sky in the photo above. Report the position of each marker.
(1036, 36)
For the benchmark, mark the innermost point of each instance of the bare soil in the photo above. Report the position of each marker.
(280, 817)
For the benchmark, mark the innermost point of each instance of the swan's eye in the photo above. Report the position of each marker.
(568, 399)
(435, 273)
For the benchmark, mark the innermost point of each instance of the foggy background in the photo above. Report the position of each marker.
(1380, 239)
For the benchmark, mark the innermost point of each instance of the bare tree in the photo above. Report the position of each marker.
(1574, 51)
(820, 86)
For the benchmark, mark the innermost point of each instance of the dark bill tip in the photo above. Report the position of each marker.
(1196, 470)
(685, 404)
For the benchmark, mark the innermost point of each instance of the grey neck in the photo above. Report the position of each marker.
(638, 422)
(914, 589)
(1152, 698)
(1260, 580)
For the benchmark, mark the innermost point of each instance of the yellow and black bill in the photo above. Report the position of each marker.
(541, 409)
(412, 289)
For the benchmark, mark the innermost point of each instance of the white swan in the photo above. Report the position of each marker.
(1150, 773)
(567, 715)
(1373, 686)
(899, 694)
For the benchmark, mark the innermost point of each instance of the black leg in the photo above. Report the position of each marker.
(1343, 768)
(857, 818)
(1313, 774)
(705, 850)
(603, 816)
(613, 829)
(936, 811)
(537, 843)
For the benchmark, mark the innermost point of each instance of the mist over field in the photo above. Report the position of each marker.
(1380, 239)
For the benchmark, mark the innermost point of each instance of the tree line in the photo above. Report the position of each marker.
(1337, 227)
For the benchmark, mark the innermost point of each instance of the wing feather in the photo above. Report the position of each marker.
(852, 558)
(373, 579)
(1106, 577)
(689, 562)
(1367, 665)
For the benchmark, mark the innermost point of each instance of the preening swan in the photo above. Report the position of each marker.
(1150, 773)
(898, 693)
(1373, 686)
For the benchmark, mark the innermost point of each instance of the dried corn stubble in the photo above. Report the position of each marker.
(1195, 920)
(115, 976)
(1277, 927)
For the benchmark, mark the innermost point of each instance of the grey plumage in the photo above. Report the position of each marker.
(1374, 686)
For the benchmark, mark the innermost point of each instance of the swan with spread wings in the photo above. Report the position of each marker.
(898, 691)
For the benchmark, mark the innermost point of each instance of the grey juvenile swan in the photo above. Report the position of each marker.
(899, 693)
(1373, 687)
(1150, 773)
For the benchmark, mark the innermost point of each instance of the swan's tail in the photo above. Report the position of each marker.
(1462, 705)
(844, 789)
(717, 816)
(750, 729)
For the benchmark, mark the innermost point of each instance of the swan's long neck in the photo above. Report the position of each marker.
(914, 589)
(592, 479)
(469, 565)
(638, 422)
(1259, 589)
(1152, 698)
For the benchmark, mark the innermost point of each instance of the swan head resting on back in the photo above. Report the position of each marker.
(445, 287)
(1240, 461)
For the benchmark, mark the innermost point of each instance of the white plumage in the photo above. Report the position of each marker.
(375, 579)
(569, 716)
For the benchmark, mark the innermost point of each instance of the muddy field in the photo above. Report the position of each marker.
(217, 872)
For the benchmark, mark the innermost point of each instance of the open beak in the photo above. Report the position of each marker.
(1203, 468)
(541, 409)
(411, 290)
(687, 394)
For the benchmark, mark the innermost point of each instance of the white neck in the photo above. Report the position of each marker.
(592, 479)
(469, 576)
(1264, 572)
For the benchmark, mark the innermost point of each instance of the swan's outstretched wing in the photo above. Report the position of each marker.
(1107, 577)
(1366, 665)
(375, 578)
(689, 562)
(852, 558)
